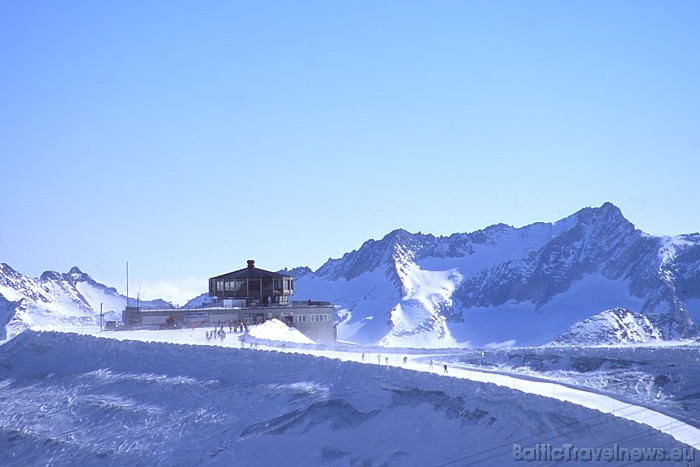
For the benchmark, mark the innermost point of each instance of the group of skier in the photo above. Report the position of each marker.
(405, 362)
(243, 328)
(221, 334)
(233, 326)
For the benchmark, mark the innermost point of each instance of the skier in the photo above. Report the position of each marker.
(405, 360)
(363, 357)
(379, 359)
(386, 360)
(431, 363)
(444, 368)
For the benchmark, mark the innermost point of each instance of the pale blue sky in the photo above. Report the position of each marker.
(188, 137)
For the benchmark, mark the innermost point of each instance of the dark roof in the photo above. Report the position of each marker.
(251, 272)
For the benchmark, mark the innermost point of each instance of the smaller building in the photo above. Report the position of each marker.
(247, 296)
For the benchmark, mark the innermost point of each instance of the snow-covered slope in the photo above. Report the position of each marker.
(77, 400)
(506, 285)
(54, 300)
(611, 327)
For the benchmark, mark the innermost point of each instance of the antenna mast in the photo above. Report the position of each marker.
(127, 284)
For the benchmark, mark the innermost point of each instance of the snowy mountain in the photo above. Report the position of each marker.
(198, 301)
(611, 327)
(54, 300)
(505, 285)
(497, 286)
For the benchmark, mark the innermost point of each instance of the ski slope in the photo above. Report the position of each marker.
(68, 399)
(679, 430)
(683, 432)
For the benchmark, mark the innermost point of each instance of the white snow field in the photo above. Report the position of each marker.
(67, 399)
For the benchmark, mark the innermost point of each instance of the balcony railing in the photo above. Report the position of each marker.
(219, 306)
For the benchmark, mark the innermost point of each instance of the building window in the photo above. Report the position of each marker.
(239, 288)
(254, 288)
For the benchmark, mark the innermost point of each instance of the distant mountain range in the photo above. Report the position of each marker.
(55, 300)
(505, 285)
(590, 277)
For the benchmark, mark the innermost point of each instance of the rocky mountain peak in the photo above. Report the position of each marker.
(607, 216)
(76, 275)
(398, 236)
(47, 276)
(7, 273)
(297, 272)
(75, 270)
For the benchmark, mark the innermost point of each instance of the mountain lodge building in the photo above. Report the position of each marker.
(251, 296)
